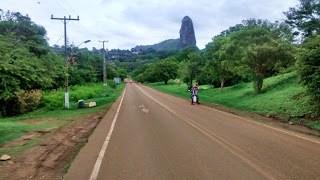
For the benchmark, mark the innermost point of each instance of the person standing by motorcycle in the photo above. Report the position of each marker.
(194, 94)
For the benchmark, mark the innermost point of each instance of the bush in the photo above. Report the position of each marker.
(22, 102)
(28, 100)
(54, 99)
(112, 84)
(309, 69)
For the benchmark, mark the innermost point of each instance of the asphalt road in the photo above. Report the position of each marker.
(151, 135)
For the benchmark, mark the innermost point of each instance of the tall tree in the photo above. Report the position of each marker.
(305, 17)
(279, 29)
(309, 69)
(149, 75)
(19, 70)
(184, 53)
(193, 68)
(166, 70)
(262, 54)
(17, 27)
(218, 60)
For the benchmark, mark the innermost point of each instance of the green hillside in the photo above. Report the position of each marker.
(167, 45)
(283, 96)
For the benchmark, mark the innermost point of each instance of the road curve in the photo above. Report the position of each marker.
(151, 135)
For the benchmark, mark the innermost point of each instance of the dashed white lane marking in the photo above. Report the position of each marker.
(232, 149)
(143, 109)
(97, 165)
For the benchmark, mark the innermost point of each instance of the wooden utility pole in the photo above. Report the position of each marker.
(104, 63)
(65, 20)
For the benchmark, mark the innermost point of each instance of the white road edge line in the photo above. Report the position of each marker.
(97, 165)
(265, 125)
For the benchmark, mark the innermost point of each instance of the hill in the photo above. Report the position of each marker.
(167, 45)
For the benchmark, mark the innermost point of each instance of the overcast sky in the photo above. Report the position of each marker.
(127, 23)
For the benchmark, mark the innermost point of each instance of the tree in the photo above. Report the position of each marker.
(122, 73)
(166, 70)
(111, 71)
(54, 65)
(150, 74)
(182, 74)
(262, 54)
(309, 69)
(279, 29)
(265, 58)
(305, 17)
(20, 70)
(218, 59)
(17, 27)
(137, 73)
(184, 53)
(231, 30)
(84, 67)
(193, 68)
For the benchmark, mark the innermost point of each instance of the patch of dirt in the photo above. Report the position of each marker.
(23, 140)
(33, 121)
(273, 120)
(48, 160)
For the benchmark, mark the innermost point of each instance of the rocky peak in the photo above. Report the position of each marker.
(187, 35)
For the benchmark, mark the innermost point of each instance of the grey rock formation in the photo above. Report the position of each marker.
(187, 35)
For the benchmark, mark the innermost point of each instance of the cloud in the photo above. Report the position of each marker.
(127, 23)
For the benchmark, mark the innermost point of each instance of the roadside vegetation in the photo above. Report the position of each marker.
(284, 98)
(32, 80)
(52, 115)
(30, 66)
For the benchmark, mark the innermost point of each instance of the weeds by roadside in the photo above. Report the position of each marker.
(53, 115)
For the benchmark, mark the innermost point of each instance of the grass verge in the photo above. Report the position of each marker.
(282, 96)
(53, 115)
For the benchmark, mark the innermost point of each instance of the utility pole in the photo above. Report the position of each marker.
(104, 63)
(65, 20)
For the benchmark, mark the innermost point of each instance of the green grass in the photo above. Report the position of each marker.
(53, 114)
(53, 100)
(314, 125)
(282, 95)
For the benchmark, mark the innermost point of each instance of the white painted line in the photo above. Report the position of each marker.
(228, 146)
(265, 125)
(96, 168)
(259, 123)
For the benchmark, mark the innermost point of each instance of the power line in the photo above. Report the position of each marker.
(40, 4)
(59, 39)
(70, 7)
(62, 7)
